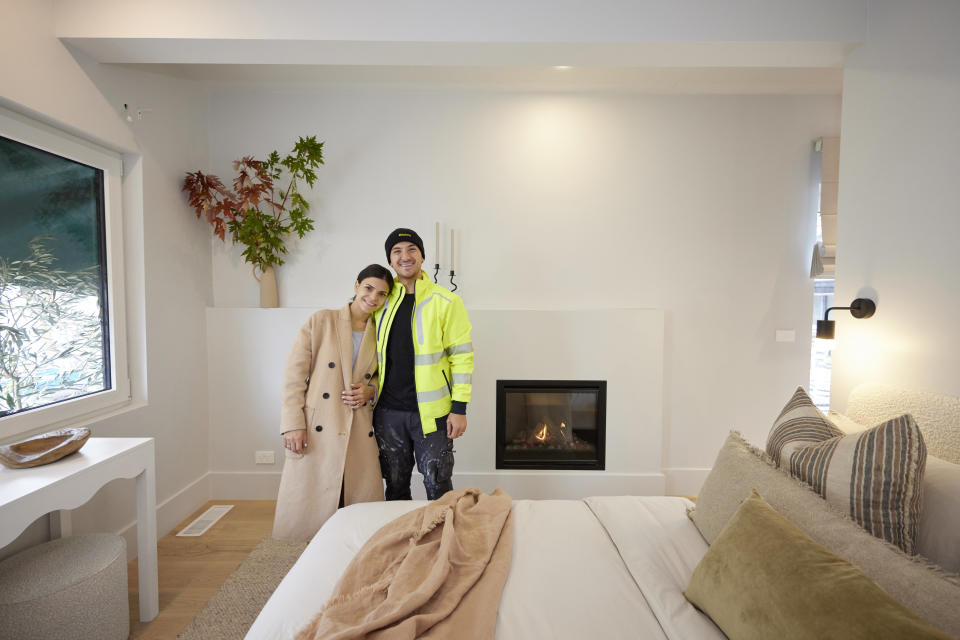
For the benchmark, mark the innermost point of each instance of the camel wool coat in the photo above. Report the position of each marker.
(340, 443)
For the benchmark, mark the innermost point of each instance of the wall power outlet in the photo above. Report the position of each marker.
(264, 457)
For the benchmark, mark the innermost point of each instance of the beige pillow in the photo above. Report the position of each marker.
(922, 588)
(939, 537)
(765, 578)
(874, 475)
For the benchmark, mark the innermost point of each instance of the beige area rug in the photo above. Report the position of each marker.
(230, 612)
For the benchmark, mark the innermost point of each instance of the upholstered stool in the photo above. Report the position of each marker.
(68, 588)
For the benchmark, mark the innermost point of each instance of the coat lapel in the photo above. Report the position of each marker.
(345, 335)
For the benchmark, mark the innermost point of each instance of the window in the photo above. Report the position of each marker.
(827, 156)
(62, 351)
(820, 350)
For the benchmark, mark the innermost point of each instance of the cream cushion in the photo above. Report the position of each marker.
(739, 468)
(939, 539)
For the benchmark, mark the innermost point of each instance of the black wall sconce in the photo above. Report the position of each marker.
(859, 308)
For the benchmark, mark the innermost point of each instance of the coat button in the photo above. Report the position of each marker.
(331, 365)
(319, 427)
(370, 435)
(325, 395)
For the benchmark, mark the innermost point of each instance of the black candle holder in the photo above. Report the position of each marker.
(436, 272)
(454, 284)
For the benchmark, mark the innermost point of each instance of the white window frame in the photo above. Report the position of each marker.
(83, 409)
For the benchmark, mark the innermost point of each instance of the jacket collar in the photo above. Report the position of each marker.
(420, 285)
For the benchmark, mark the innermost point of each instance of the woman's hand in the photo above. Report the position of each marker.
(357, 395)
(295, 440)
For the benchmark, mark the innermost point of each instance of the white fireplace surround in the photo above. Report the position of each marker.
(247, 349)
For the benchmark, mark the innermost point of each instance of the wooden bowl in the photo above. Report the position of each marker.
(44, 448)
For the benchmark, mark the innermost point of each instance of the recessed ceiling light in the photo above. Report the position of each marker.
(561, 67)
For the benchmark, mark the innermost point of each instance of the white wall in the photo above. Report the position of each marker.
(26, 34)
(900, 202)
(700, 206)
(168, 268)
(622, 346)
(176, 267)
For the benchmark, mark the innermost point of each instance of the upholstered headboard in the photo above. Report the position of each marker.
(937, 416)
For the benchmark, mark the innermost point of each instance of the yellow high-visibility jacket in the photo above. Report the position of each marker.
(442, 351)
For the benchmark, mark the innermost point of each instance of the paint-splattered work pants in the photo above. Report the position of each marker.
(401, 442)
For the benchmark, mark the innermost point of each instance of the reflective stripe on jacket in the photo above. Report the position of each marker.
(442, 351)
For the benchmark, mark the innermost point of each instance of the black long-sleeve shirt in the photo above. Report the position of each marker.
(399, 387)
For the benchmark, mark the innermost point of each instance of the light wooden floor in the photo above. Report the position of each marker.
(193, 569)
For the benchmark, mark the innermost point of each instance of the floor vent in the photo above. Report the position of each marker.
(206, 520)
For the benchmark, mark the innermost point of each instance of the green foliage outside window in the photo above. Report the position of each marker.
(53, 336)
(51, 340)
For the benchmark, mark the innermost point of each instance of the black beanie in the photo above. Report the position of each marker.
(403, 235)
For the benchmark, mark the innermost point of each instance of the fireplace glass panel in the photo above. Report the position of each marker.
(550, 424)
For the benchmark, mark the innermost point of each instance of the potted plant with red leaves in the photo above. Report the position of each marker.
(259, 212)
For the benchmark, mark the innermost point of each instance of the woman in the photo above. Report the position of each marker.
(326, 419)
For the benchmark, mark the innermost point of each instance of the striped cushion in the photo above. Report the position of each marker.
(873, 475)
(798, 424)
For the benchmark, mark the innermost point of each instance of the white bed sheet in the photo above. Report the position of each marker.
(611, 567)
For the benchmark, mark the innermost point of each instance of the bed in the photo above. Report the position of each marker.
(617, 567)
(613, 567)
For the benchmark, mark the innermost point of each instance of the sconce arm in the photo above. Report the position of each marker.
(859, 308)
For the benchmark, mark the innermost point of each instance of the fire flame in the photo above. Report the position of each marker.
(542, 434)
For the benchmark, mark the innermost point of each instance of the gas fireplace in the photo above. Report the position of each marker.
(551, 424)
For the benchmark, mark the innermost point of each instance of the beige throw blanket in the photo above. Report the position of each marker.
(436, 572)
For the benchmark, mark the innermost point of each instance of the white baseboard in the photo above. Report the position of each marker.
(244, 485)
(685, 481)
(171, 512)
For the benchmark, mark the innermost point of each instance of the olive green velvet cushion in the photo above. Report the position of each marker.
(765, 578)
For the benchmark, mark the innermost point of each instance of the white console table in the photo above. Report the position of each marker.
(27, 494)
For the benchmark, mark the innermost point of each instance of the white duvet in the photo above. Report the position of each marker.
(599, 568)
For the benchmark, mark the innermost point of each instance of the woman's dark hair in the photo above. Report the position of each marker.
(376, 271)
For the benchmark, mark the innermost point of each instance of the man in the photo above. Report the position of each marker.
(426, 364)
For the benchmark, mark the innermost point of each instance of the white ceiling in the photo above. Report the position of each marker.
(695, 46)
